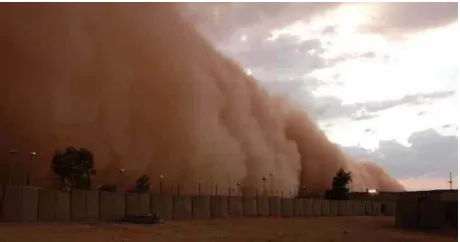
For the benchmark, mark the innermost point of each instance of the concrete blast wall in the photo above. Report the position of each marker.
(308, 207)
(138, 204)
(47, 205)
(111, 206)
(389, 209)
(27, 204)
(334, 208)
(219, 206)
(20, 204)
(287, 207)
(406, 212)
(275, 206)
(161, 205)
(325, 208)
(249, 206)
(262, 206)
(63, 206)
(317, 207)
(299, 208)
(201, 207)
(182, 207)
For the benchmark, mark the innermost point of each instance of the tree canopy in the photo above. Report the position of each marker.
(75, 167)
(340, 184)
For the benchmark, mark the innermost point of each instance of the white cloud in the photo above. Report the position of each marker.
(376, 64)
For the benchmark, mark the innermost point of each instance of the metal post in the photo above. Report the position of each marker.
(120, 179)
(264, 179)
(212, 185)
(33, 154)
(161, 183)
(271, 184)
(238, 185)
(10, 165)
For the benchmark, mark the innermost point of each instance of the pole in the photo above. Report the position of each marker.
(120, 179)
(450, 180)
(161, 183)
(271, 184)
(32, 160)
(10, 165)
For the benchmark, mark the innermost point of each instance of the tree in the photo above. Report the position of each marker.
(142, 184)
(340, 183)
(74, 167)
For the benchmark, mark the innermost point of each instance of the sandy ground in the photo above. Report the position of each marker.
(375, 229)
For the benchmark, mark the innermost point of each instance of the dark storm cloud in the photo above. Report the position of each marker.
(431, 154)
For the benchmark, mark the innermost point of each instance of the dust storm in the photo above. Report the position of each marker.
(140, 88)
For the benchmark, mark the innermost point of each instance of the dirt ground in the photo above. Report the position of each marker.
(375, 229)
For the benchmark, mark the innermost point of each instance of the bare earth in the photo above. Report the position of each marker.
(375, 229)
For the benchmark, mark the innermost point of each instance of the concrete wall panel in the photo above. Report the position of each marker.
(263, 206)
(390, 209)
(63, 206)
(362, 208)
(432, 212)
(47, 205)
(368, 208)
(274, 204)
(30, 204)
(78, 205)
(249, 206)
(144, 204)
(132, 204)
(354, 208)
(108, 206)
(11, 206)
(219, 206)
(111, 206)
(287, 207)
(299, 208)
(92, 206)
(161, 205)
(334, 208)
(182, 207)
(317, 207)
(308, 207)
(20, 204)
(235, 206)
(376, 209)
(325, 208)
(201, 207)
(406, 213)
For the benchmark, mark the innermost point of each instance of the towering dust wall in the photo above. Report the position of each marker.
(143, 91)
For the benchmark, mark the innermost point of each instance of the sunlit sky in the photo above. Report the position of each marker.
(380, 78)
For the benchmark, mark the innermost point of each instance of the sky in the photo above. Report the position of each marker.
(379, 78)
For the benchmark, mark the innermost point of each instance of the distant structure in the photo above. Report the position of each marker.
(427, 209)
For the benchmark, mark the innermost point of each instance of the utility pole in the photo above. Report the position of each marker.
(450, 180)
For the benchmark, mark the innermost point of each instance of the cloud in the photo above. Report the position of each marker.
(219, 21)
(284, 57)
(430, 155)
(333, 107)
(403, 18)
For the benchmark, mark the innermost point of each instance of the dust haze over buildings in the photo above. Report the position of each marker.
(136, 85)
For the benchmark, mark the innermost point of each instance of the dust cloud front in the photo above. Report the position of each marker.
(143, 91)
